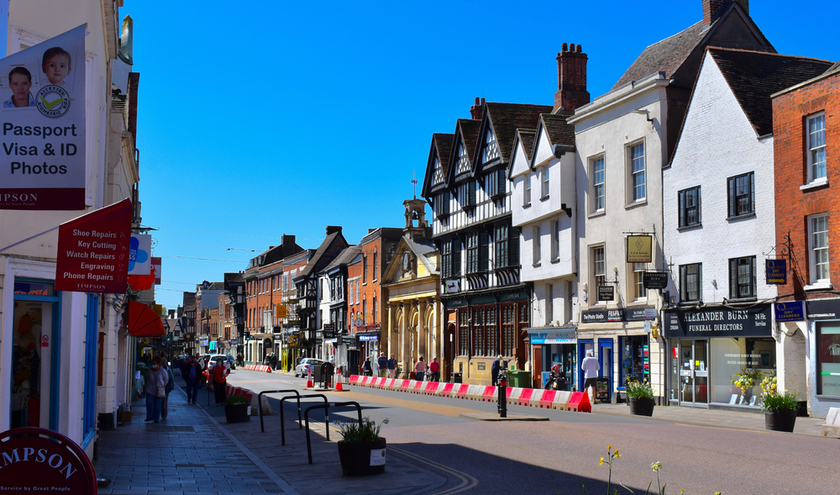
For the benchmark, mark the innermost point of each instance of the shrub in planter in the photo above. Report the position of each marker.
(640, 398)
(361, 449)
(236, 409)
(779, 408)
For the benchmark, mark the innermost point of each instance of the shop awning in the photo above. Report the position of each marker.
(143, 321)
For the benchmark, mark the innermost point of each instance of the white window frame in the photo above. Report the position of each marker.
(816, 148)
(537, 245)
(545, 184)
(636, 192)
(639, 291)
(555, 240)
(526, 195)
(597, 187)
(549, 304)
(598, 267)
(818, 244)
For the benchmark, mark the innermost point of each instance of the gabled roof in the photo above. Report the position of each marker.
(466, 132)
(525, 139)
(558, 129)
(346, 256)
(670, 54)
(442, 148)
(754, 76)
(505, 119)
(318, 260)
(834, 68)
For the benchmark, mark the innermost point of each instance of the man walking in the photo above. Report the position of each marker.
(494, 370)
(590, 369)
(192, 373)
(392, 367)
(382, 365)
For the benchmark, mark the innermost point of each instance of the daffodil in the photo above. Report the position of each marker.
(609, 447)
(601, 462)
(656, 466)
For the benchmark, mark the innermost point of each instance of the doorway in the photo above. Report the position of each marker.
(605, 360)
(693, 366)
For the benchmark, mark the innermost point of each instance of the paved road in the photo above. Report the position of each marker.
(432, 448)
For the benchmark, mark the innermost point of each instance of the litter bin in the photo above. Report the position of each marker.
(519, 378)
(324, 374)
(457, 377)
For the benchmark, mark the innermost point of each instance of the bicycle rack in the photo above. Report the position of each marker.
(326, 419)
(300, 421)
(259, 402)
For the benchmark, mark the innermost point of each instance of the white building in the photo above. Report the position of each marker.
(719, 232)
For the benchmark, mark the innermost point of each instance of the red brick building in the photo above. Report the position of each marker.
(806, 131)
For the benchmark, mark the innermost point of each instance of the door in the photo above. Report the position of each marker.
(584, 345)
(694, 372)
(605, 360)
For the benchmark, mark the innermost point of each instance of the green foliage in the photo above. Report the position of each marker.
(637, 390)
(747, 379)
(233, 400)
(367, 431)
(778, 402)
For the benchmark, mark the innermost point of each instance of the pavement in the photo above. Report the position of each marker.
(196, 451)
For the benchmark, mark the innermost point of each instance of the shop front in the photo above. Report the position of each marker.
(710, 348)
(550, 346)
(368, 343)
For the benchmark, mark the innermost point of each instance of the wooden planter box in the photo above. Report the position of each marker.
(361, 458)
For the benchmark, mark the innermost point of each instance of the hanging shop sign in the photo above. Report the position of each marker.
(719, 322)
(42, 120)
(93, 251)
(656, 280)
(606, 293)
(776, 271)
(789, 311)
(639, 248)
(156, 266)
(140, 255)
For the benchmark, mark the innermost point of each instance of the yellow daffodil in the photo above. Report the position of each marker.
(601, 462)
(609, 447)
(656, 466)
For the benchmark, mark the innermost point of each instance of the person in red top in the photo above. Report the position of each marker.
(434, 369)
(219, 374)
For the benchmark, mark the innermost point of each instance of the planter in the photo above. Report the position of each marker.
(237, 413)
(361, 458)
(641, 406)
(780, 419)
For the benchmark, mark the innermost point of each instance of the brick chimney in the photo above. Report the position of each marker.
(713, 8)
(332, 229)
(477, 110)
(571, 79)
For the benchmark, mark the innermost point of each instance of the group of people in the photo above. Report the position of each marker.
(387, 368)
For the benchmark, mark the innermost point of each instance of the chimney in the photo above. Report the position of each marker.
(571, 79)
(332, 229)
(477, 110)
(288, 243)
(713, 8)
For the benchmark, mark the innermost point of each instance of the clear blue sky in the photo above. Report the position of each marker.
(267, 118)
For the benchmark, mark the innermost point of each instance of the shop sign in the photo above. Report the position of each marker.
(452, 286)
(552, 337)
(789, 311)
(234, 341)
(43, 164)
(776, 271)
(719, 322)
(367, 337)
(606, 293)
(329, 331)
(513, 296)
(639, 248)
(823, 309)
(621, 314)
(157, 263)
(40, 460)
(455, 303)
(656, 280)
(140, 255)
(93, 251)
(203, 341)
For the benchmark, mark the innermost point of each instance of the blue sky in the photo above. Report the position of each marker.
(286, 117)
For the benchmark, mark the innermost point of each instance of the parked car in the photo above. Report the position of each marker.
(215, 359)
(303, 368)
(231, 362)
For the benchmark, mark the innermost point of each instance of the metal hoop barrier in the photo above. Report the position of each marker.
(300, 421)
(327, 420)
(259, 405)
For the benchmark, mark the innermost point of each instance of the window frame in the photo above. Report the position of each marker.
(598, 268)
(638, 271)
(597, 190)
(555, 240)
(733, 187)
(813, 262)
(526, 194)
(735, 281)
(684, 282)
(811, 148)
(501, 245)
(545, 184)
(633, 175)
(536, 245)
(683, 215)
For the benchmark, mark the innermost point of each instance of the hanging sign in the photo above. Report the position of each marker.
(93, 251)
(776, 272)
(140, 255)
(639, 248)
(42, 125)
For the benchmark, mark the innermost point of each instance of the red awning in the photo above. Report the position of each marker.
(143, 321)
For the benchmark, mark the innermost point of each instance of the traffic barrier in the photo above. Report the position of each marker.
(474, 392)
(365, 381)
(525, 397)
(446, 390)
(536, 397)
(561, 400)
(547, 400)
(431, 387)
(377, 382)
(460, 392)
(579, 402)
(404, 384)
(354, 379)
(389, 384)
(490, 394)
(513, 394)
(416, 388)
(831, 427)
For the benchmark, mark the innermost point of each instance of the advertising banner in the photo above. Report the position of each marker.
(42, 120)
(93, 251)
(140, 254)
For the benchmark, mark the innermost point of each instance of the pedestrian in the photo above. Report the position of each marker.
(392, 367)
(420, 369)
(170, 385)
(219, 376)
(434, 369)
(155, 389)
(590, 369)
(366, 367)
(193, 372)
(494, 370)
(382, 363)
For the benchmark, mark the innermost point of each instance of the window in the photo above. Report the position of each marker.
(463, 332)
(639, 291)
(741, 195)
(450, 258)
(442, 205)
(463, 164)
(364, 269)
(501, 241)
(549, 304)
(597, 181)
(689, 204)
(466, 194)
(375, 266)
(537, 245)
(818, 248)
(555, 240)
(636, 159)
(816, 147)
(690, 282)
(598, 262)
(526, 197)
(496, 184)
(364, 311)
(742, 277)
(828, 358)
(508, 314)
(545, 183)
(491, 148)
(438, 172)
(373, 311)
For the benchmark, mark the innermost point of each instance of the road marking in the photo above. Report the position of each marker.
(467, 481)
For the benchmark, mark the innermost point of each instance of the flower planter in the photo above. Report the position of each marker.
(780, 419)
(361, 458)
(237, 413)
(641, 406)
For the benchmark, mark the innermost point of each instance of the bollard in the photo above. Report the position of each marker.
(502, 393)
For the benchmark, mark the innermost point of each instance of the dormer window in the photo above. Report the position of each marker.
(491, 148)
(438, 172)
(463, 163)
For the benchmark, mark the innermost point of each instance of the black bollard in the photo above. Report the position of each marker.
(503, 394)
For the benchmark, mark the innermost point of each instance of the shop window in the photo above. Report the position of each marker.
(735, 356)
(635, 359)
(828, 359)
(508, 329)
(463, 332)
